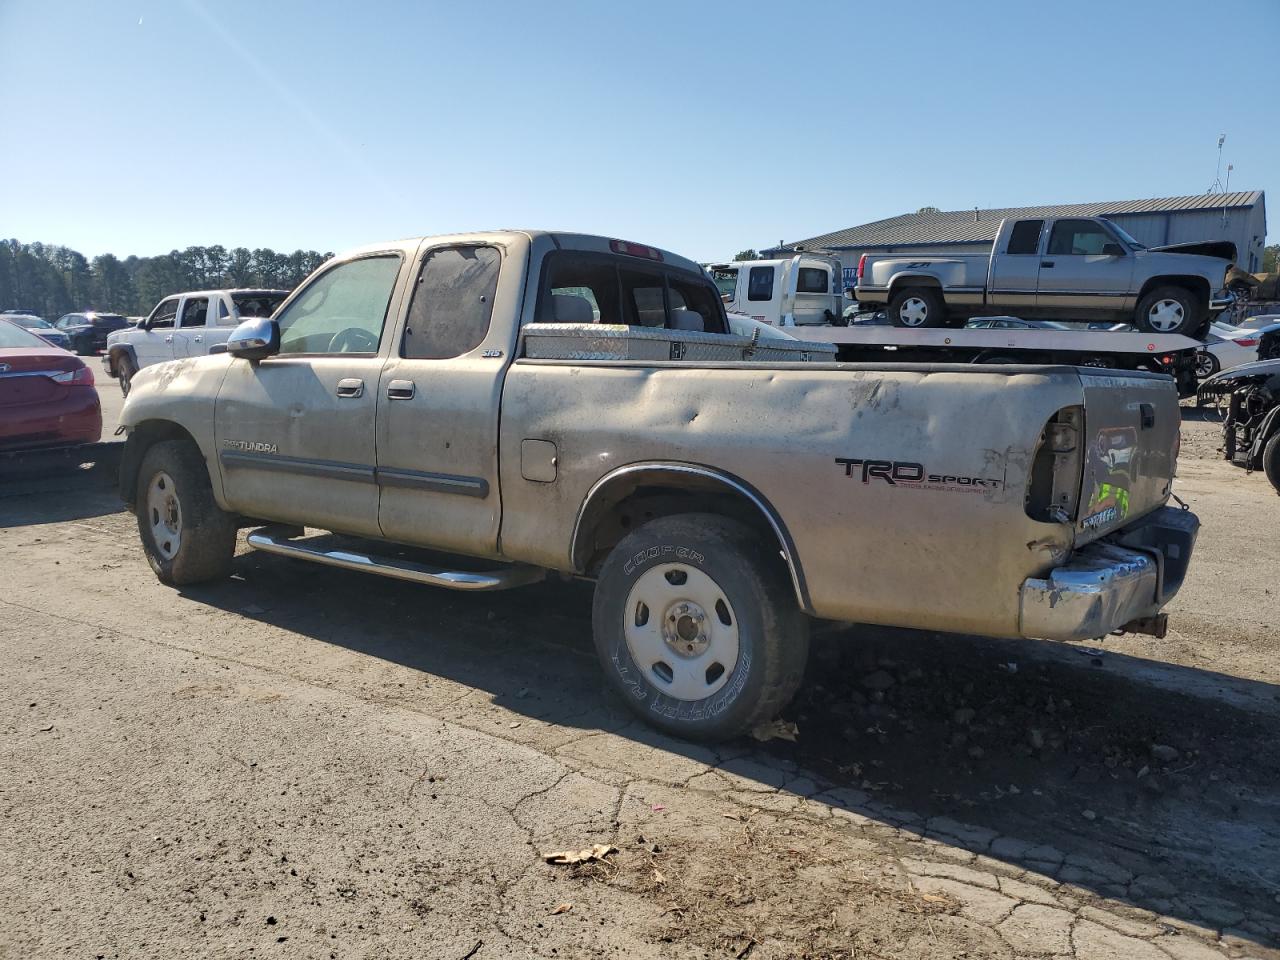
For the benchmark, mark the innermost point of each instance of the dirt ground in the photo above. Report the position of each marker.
(303, 762)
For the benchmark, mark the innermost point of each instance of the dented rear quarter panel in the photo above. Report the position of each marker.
(933, 555)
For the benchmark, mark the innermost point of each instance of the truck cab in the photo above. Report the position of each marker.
(803, 290)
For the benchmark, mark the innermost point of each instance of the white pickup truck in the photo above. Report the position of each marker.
(184, 325)
(476, 411)
(1071, 268)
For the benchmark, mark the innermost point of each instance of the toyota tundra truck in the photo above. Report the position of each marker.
(1064, 268)
(480, 411)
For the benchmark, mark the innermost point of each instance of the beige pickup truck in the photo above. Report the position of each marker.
(477, 411)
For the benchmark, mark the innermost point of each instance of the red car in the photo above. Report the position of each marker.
(47, 398)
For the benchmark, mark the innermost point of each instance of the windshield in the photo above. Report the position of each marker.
(1125, 237)
(726, 281)
(11, 335)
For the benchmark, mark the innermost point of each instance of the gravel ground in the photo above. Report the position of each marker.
(301, 762)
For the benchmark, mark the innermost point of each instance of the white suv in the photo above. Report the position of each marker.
(184, 325)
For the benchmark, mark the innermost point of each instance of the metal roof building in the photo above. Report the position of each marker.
(1239, 216)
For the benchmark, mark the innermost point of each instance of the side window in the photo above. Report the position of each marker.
(1025, 237)
(164, 315)
(811, 280)
(195, 312)
(452, 302)
(695, 306)
(343, 310)
(760, 283)
(1081, 238)
(223, 313)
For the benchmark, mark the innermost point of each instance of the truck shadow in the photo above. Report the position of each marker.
(56, 487)
(1146, 783)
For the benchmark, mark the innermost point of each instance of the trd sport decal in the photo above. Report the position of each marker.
(911, 475)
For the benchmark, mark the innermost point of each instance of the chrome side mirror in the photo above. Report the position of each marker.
(255, 339)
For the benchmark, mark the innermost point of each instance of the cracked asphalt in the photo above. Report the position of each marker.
(303, 762)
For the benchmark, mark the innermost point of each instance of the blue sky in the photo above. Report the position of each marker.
(137, 126)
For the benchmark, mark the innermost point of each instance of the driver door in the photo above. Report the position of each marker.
(153, 340)
(295, 432)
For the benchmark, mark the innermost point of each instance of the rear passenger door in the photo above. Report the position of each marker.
(188, 337)
(1015, 269)
(439, 395)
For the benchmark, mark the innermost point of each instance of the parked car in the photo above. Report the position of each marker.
(802, 290)
(41, 328)
(1076, 268)
(525, 402)
(1251, 427)
(1015, 323)
(1225, 347)
(184, 325)
(47, 397)
(88, 331)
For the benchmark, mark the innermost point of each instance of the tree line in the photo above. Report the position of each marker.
(51, 280)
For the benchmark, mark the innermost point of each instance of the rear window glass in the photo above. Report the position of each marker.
(452, 302)
(12, 335)
(1025, 237)
(256, 304)
(811, 280)
(110, 321)
(760, 283)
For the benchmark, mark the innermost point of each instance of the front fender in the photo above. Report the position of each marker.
(174, 399)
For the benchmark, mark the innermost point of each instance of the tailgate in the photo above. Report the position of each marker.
(1131, 423)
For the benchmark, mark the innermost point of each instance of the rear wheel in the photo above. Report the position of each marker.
(1169, 310)
(917, 307)
(186, 536)
(1206, 365)
(1271, 460)
(124, 373)
(697, 626)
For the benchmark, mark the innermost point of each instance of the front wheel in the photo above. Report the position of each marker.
(186, 536)
(1169, 310)
(697, 627)
(917, 307)
(1271, 460)
(124, 373)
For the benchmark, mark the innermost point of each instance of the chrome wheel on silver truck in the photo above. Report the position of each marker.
(696, 625)
(1169, 310)
(917, 307)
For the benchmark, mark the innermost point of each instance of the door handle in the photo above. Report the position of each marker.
(400, 390)
(198, 339)
(350, 388)
(169, 338)
(1046, 263)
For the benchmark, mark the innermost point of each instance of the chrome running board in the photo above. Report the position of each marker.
(284, 542)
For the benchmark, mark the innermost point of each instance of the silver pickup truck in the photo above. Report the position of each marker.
(520, 403)
(1072, 268)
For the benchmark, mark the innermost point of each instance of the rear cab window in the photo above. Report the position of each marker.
(812, 280)
(588, 287)
(1025, 237)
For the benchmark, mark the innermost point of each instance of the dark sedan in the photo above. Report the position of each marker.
(88, 331)
(47, 399)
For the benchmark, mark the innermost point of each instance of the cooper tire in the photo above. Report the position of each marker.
(1169, 310)
(729, 587)
(918, 308)
(186, 536)
(1271, 460)
(124, 373)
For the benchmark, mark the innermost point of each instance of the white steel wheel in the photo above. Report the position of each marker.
(1166, 315)
(914, 312)
(681, 631)
(164, 513)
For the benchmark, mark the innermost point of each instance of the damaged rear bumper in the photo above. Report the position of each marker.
(1118, 583)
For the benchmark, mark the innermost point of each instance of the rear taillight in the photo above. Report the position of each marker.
(862, 265)
(83, 375)
(1247, 342)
